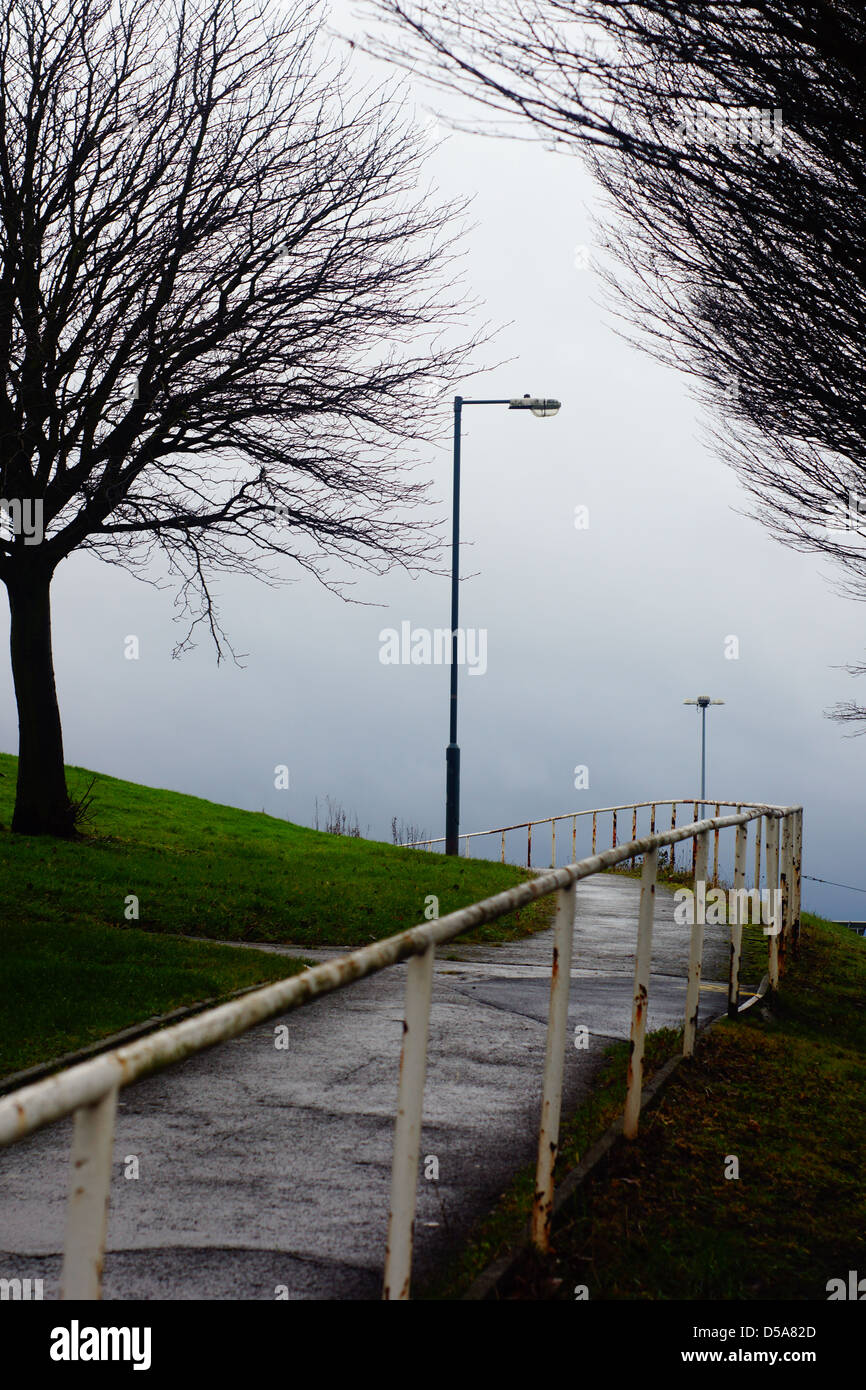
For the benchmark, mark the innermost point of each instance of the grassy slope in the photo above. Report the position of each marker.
(74, 969)
(784, 1090)
(210, 870)
(63, 986)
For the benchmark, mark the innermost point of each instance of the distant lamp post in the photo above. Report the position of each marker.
(702, 701)
(543, 409)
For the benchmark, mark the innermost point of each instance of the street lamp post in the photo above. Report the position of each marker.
(702, 701)
(541, 408)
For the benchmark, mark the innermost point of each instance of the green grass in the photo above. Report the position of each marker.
(783, 1089)
(753, 958)
(76, 969)
(63, 987)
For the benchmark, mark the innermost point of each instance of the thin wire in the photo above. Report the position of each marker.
(832, 884)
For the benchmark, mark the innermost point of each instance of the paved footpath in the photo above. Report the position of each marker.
(260, 1168)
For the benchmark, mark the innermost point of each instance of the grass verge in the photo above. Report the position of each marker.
(61, 989)
(203, 869)
(782, 1090)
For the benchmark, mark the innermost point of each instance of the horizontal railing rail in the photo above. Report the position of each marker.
(89, 1090)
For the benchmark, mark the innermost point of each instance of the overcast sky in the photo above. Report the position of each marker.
(594, 636)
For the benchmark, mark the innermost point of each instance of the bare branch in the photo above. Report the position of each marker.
(226, 311)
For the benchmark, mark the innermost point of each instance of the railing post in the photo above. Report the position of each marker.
(87, 1204)
(640, 1004)
(633, 829)
(735, 923)
(758, 832)
(798, 865)
(594, 829)
(613, 842)
(529, 845)
(502, 856)
(696, 952)
(554, 1063)
(653, 819)
(716, 851)
(553, 844)
(672, 864)
(772, 859)
(695, 846)
(466, 853)
(407, 1128)
(574, 839)
(786, 861)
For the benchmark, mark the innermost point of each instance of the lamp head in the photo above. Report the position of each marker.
(540, 407)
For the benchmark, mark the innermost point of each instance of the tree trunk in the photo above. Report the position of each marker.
(42, 805)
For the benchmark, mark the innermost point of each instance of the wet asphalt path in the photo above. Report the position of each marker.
(262, 1169)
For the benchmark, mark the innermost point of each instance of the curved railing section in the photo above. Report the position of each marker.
(615, 812)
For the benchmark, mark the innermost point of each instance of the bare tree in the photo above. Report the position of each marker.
(224, 306)
(754, 282)
(730, 139)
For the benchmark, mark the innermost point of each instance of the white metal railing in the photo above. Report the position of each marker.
(89, 1090)
(613, 811)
